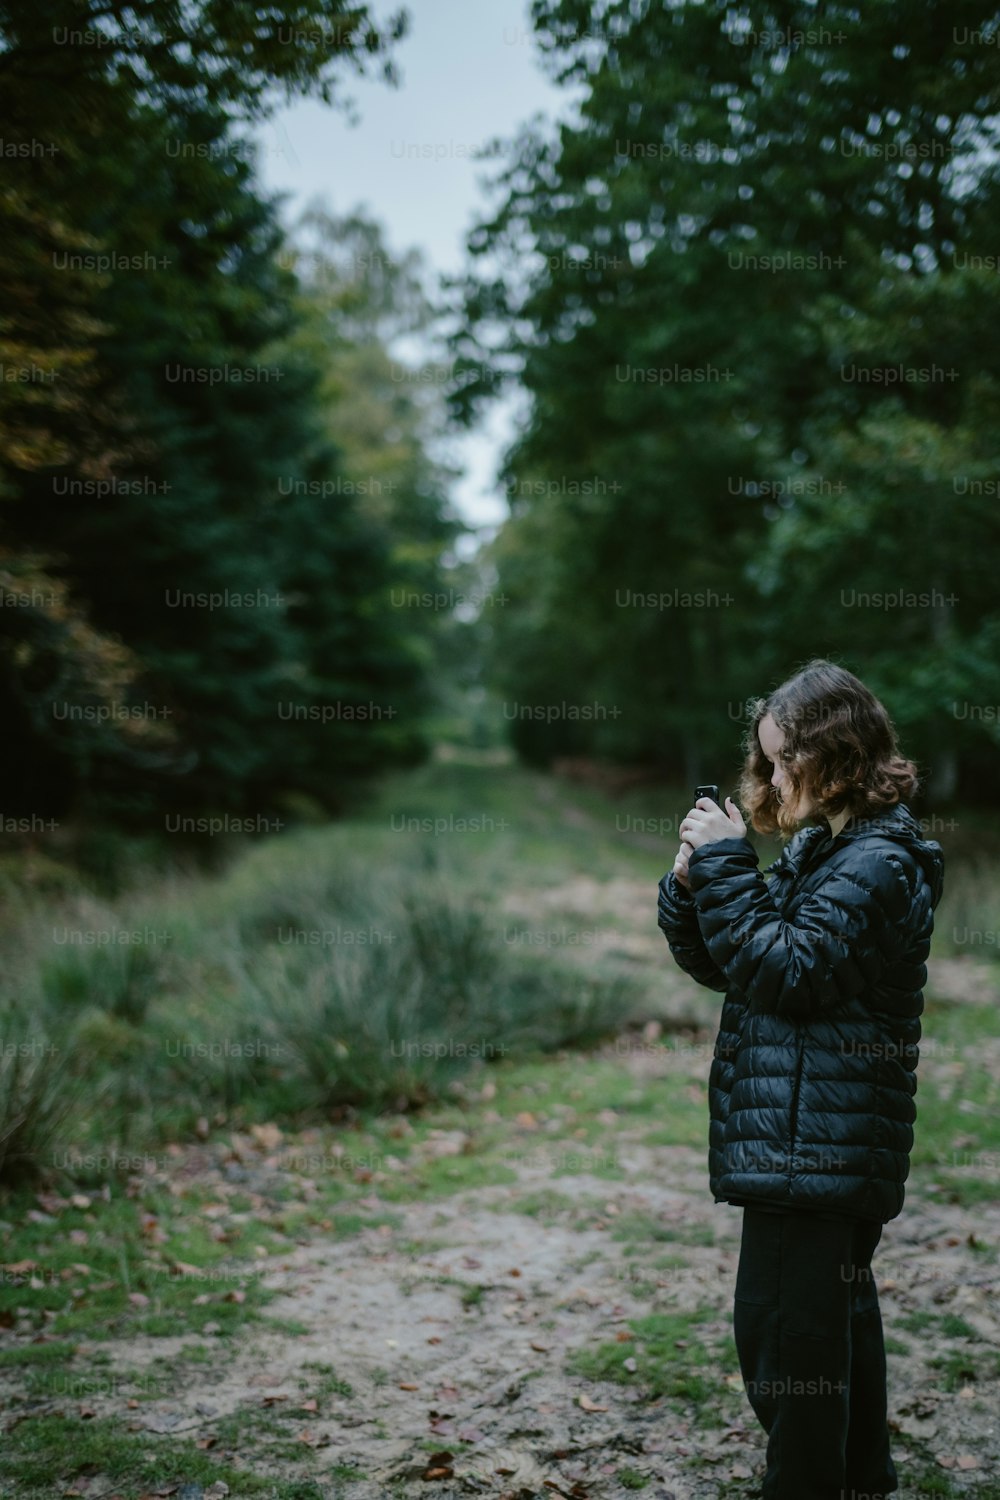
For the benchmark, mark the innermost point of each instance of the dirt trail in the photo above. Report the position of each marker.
(456, 1328)
(442, 1351)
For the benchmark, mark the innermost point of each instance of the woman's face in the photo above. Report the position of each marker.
(771, 740)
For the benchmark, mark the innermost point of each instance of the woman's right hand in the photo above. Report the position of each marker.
(681, 864)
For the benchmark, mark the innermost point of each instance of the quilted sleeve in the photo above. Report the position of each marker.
(836, 946)
(677, 916)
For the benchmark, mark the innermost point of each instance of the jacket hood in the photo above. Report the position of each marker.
(896, 823)
(899, 824)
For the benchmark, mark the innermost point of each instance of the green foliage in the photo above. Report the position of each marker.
(39, 1096)
(200, 611)
(295, 987)
(709, 280)
(664, 1358)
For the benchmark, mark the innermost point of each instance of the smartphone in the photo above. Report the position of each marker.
(707, 791)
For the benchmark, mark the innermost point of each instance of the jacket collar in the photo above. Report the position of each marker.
(807, 840)
(896, 820)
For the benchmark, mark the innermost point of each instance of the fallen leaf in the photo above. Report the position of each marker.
(442, 1459)
(586, 1404)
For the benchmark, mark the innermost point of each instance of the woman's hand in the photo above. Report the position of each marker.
(681, 865)
(706, 822)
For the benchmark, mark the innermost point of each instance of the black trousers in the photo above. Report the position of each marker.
(808, 1334)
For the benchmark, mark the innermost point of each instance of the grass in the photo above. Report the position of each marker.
(547, 1206)
(345, 967)
(664, 1355)
(960, 1367)
(645, 1229)
(295, 986)
(41, 1450)
(444, 1060)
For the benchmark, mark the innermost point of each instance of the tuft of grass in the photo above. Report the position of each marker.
(40, 1096)
(547, 1206)
(643, 1229)
(955, 1327)
(897, 1346)
(42, 1455)
(631, 1479)
(325, 1381)
(670, 1358)
(959, 1367)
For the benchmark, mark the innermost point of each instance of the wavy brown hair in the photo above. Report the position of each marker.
(839, 747)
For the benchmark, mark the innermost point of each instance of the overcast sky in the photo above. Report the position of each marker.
(469, 71)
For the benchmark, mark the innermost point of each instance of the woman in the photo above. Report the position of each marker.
(811, 1089)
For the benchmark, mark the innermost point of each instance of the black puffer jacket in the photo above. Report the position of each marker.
(811, 1088)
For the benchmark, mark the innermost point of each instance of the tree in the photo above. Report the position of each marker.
(148, 279)
(749, 200)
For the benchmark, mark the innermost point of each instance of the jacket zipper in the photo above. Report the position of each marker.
(804, 868)
(794, 1120)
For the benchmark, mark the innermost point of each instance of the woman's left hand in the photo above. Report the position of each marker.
(706, 822)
